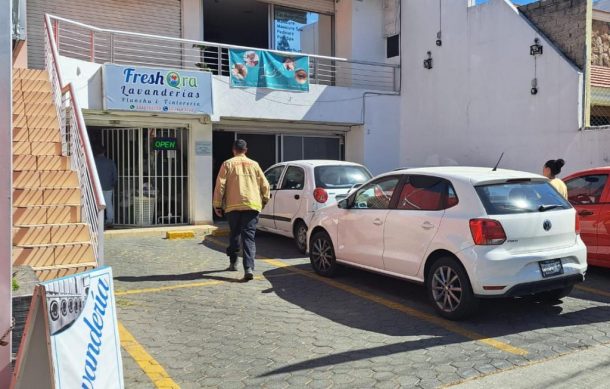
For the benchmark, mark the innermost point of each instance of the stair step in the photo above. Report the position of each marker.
(58, 214)
(29, 179)
(20, 120)
(41, 121)
(24, 162)
(46, 108)
(26, 180)
(31, 74)
(37, 97)
(18, 98)
(35, 197)
(46, 245)
(37, 148)
(22, 148)
(19, 105)
(52, 255)
(50, 234)
(35, 85)
(52, 162)
(62, 271)
(40, 163)
(21, 134)
(59, 179)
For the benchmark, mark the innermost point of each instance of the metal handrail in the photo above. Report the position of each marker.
(105, 45)
(76, 145)
(192, 41)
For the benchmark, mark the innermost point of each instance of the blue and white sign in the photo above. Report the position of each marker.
(263, 69)
(85, 345)
(135, 88)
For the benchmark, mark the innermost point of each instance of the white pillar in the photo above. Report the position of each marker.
(200, 168)
(6, 187)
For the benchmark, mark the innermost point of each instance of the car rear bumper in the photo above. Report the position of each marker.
(530, 288)
(499, 273)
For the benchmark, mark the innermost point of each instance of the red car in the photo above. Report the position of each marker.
(589, 193)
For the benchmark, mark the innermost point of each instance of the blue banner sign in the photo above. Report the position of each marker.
(136, 88)
(263, 69)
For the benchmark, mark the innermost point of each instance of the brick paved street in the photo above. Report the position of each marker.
(289, 328)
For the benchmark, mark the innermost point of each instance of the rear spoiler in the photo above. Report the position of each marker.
(509, 181)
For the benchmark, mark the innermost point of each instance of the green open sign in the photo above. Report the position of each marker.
(164, 143)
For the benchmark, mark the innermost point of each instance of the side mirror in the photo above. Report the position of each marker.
(343, 204)
(340, 197)
(273, 187)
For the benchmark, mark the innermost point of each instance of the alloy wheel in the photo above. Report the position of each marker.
(302, 235)
(322, 255)
(446, 288)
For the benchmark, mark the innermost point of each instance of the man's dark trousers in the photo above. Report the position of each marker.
(242, 223)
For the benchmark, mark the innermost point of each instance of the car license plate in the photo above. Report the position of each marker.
(550, 268)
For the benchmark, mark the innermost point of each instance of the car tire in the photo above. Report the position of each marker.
(300, 236)
(553, 295)
(449, 289)
(322, 254)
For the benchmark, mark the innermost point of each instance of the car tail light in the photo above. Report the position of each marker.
(487, 232)
(577, 224)
(320, 195)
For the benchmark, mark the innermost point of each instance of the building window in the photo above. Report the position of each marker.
(302, 31)
(393, 46)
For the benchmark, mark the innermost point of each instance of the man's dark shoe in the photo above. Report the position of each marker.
(232, 267)
(248, 277)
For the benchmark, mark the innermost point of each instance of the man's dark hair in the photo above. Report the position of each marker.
(98, 149)
(240, 145)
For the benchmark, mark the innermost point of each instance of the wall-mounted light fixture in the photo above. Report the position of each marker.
(536, 48)
(535, 51)
(439, 40)
(428, 61)
(534, 89)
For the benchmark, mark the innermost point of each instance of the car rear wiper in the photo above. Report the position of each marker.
(548, 207)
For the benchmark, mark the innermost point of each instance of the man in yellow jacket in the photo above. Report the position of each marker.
(241, 193)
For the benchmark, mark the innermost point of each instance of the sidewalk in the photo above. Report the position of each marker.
(589, 368)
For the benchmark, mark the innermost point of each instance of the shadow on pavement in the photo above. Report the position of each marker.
(267, 245)
(201, 275)
(497, 318)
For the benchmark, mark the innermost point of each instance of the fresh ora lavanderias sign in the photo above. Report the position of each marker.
(135, 88)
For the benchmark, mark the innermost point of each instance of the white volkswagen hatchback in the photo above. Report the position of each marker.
(466, 233)
(298, 188)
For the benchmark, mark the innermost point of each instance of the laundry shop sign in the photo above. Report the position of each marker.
(137, 89)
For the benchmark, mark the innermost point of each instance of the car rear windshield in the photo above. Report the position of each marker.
(340, 176)
(520, 197)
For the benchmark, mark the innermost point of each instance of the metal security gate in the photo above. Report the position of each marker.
(152, 164)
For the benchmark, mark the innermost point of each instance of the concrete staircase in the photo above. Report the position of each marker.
(48, 232)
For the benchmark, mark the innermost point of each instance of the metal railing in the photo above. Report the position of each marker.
(76, 145)
(85, 42)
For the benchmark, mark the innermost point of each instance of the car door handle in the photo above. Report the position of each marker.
(585, 213)
(377, 222)
(427, 226)
(296, 197)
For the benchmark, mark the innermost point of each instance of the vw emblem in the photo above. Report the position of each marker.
(547, 225)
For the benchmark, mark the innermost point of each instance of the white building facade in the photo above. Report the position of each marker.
(373, 98)
(349, 113)
(476, 102)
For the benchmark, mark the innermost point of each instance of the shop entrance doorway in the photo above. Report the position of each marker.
(153, 177)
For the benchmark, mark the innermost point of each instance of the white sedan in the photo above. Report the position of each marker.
(466, 233)
(298, 188)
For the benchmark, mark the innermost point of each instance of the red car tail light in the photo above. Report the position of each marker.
(487, 232)
(577, 224)
(320, 195)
